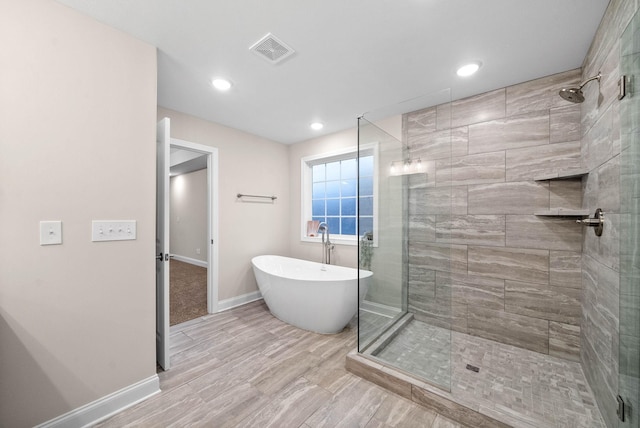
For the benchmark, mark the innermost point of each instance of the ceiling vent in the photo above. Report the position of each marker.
(272, 49)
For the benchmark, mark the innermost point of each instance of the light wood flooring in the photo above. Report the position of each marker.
(245, 368)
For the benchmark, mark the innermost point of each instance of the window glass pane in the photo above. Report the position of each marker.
(366, 225)
(366, 186)
(333, 171)
(318, 208)
(348, 225)
(333, 206)
(318, 191)
(334, 225)
(366, 166)
(349, 187)
(333, 195)
(318, 173)
(349, 206)
(366, 206)
(333, 189)
(349, 168)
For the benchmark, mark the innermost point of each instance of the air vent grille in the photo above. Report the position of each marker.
(272, 49)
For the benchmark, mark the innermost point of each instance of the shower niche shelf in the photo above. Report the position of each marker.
(564, 174)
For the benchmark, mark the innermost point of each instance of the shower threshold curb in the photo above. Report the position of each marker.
(418, 391)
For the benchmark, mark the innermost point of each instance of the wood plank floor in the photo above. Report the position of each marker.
(245, 368)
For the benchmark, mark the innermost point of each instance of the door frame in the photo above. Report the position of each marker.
(212, 216)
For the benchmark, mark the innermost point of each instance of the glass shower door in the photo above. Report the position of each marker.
(629, 327)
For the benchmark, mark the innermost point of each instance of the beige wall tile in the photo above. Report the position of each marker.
(509, 263)
(565, 269)
(513, 329)
(530, 231)
(471, 169)
(531, 162)
(564, 124)
(564, 341)
(479, 108)
(549, 303)
(531, 129)
(508, 198)
(540, 94)
(471, 229)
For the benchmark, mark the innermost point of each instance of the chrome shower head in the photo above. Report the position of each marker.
(575, 95)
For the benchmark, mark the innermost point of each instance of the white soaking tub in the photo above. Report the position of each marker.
(309, 295)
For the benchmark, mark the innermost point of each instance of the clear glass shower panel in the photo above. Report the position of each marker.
(629, 344)
(406, 317)
(381, 220)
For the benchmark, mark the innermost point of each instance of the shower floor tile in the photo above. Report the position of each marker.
(372, 324)
(520, 387)
(423, 350)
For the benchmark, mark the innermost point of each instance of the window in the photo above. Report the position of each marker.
(330, 194)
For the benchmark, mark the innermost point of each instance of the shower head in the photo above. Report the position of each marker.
(575, 95)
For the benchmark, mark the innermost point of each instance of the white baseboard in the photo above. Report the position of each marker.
(233, 302)
(190, 260)
(379, 308)
(107, 406)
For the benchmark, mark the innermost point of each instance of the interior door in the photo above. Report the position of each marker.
(162, 243)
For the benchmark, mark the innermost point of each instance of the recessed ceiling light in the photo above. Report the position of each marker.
(469, 69)
(316, 126)
(221, 84)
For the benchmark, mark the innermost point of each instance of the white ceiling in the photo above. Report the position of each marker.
(352, 56)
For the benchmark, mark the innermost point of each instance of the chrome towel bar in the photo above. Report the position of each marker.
(240, 195)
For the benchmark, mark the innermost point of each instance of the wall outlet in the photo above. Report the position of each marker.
(197, 250)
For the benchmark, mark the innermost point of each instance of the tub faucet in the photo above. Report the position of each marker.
(326, 244)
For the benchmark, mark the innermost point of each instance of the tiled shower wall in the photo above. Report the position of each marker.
(480, 260)
(601, 143)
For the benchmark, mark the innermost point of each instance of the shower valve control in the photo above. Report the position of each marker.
(597, 222)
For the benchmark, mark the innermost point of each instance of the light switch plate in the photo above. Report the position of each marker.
(50, 232)
(113, 230)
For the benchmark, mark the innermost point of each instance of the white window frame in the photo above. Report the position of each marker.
(306, 165)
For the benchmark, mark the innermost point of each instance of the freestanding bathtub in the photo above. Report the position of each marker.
(305, 295)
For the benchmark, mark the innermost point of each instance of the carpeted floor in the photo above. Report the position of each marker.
(188, 292)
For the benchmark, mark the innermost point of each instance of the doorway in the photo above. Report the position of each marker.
(189, 249)
(197, 153)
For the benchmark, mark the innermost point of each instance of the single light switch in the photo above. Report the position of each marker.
(50, 232)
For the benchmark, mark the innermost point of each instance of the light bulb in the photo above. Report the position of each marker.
(419, 165)
(221, 84)
(469, 69)
(393, 168)
(406, 166)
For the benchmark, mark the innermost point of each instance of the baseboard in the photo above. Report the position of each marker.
(379, 308)
(233, 302)
(107, 406)
(190, 260)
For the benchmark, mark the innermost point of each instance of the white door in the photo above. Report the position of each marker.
(162, 243)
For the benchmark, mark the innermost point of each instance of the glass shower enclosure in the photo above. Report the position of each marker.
(629, 336)
(405, 318)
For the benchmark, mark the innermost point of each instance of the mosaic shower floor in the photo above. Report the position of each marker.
(520, 387)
